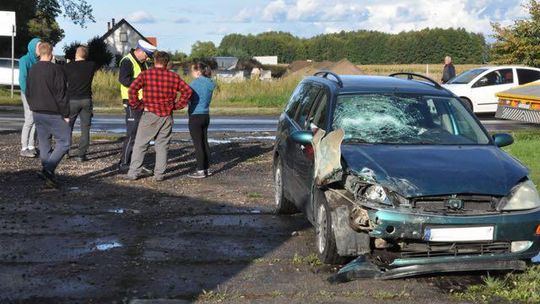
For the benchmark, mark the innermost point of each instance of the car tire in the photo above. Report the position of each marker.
(324, 233)
(281, 204)
(467, 103)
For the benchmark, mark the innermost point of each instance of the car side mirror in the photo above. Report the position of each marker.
(302, 137)
(503, 139)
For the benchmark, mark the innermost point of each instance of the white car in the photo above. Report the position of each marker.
(5, 72)
(477, 87)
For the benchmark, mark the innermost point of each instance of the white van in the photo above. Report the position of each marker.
(5, 71)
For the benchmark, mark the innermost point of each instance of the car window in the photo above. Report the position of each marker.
(527, 76)
(319, 112)
(305, 105)
(6, 63)
(296, 98)
(466, 76)
(406, 119)
(498, 77)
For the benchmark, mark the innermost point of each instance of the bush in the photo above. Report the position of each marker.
(97, 51)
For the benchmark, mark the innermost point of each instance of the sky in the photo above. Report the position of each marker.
(178, 24)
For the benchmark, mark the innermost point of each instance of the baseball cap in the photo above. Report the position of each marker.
(146, 47)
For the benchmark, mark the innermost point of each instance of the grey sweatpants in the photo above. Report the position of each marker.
(151, 127)
(28, 134)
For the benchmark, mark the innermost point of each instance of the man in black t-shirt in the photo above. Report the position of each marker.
(80, 74)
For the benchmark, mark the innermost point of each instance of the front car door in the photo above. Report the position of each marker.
(484, 89)
(302, 153)
(315, 121)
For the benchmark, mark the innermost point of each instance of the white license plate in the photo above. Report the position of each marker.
(462, 234)
(524, 106)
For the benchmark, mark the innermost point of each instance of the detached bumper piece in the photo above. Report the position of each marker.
(362, 268)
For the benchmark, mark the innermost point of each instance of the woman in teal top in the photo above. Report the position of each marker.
(199, 116)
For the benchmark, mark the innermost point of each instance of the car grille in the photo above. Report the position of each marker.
(470, 204)
(428, 250)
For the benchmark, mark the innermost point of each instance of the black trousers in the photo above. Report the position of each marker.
(133, 116)
(81, 108)
(198, 129)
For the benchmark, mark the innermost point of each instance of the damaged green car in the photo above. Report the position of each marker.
(400, 174)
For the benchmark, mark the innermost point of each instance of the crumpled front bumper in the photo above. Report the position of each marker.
(400, 224)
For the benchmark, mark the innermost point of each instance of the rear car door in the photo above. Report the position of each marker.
(484, 89)
(527, 75)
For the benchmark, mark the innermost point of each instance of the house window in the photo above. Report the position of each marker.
(123, 37)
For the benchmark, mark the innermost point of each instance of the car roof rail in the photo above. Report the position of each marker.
(324, 74)
(410, 77)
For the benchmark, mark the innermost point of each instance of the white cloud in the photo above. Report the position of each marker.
(388, 16)
(141, 17)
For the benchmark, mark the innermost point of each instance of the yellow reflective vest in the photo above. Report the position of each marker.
(136, 71)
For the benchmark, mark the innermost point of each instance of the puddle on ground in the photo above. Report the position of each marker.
(107, 246)
(123, 211)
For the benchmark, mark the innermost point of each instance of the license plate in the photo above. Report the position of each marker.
(462, 234)
(524, 106)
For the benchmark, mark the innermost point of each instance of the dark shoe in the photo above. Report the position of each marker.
(80, 158)
(28, 153)
(122, 167)
(198, 174)
(49, 178)
(146, 171)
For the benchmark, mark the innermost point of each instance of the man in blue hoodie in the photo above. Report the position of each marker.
(28, 131)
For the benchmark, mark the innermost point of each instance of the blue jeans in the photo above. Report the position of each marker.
(47, 127)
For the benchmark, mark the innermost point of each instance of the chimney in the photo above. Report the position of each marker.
(113, 22)
(108, 26)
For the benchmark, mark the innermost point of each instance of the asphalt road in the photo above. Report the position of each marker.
(12, 120)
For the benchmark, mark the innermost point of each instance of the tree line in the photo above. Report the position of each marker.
(361, 47)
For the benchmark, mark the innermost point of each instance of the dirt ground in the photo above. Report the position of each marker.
(102, 239)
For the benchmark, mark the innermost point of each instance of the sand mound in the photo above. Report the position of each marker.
(307, 68)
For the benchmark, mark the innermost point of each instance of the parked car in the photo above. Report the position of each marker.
(400, 169)
(478, 87)
(5, 72)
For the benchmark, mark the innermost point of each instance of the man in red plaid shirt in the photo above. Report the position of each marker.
(160, 91)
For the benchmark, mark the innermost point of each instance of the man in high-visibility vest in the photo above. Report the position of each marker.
(130, 67)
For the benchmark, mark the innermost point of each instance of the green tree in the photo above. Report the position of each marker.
(37, 18)
(203, 49)
(520, 42)
(44, 23)
(179, 56)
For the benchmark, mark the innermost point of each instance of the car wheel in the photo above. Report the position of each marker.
(467, 102)
(326, 242)
(282, 204)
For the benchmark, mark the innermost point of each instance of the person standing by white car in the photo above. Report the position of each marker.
(28, 131)
(478, 87)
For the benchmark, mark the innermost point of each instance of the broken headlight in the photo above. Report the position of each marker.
(377, 194)
(524, 196)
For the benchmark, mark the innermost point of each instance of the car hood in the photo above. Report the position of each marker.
(458, 89)
(414, 171)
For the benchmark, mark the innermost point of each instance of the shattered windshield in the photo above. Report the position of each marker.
(406, 119)
(466, 77)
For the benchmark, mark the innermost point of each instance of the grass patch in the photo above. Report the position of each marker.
(525, 149)
(309, 260)
(513, 287)
(217, 296)
(5, 97)
(254, 195)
